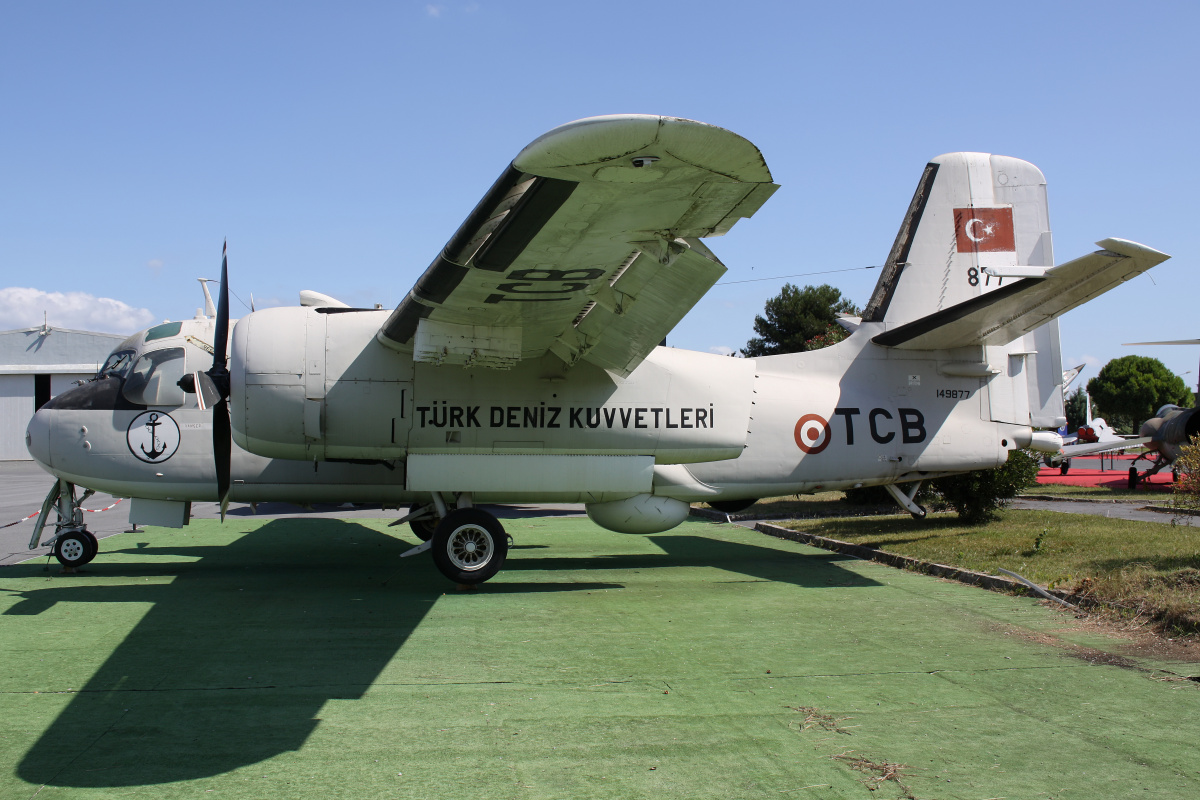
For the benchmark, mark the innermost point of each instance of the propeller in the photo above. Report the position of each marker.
(212, 388)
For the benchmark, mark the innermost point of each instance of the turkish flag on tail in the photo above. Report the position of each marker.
(984, 230)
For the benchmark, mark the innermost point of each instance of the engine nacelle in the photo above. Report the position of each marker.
(309, 383)
(1172, 430)
(643, 513)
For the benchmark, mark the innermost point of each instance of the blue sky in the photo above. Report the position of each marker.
(338, 147)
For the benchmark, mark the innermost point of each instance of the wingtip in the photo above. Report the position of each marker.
(1132, 249)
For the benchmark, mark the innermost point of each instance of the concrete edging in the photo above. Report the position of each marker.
(970, 577)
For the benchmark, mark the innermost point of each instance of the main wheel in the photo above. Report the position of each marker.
(731, 506)
(424, 528)
(919, 514)
(469, 545)
(1065, 467)
(1133, 477)
(73, 549)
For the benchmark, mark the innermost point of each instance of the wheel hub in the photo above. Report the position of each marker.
(470, 547)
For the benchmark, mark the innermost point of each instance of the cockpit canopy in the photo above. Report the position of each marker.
(145, 369)
(154, 379)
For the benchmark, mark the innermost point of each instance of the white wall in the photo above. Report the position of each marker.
(16, 407)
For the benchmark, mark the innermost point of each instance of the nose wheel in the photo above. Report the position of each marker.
(469, 545)
(76, 548)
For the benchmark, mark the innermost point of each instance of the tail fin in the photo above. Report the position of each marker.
(971, 212)
(973, 266)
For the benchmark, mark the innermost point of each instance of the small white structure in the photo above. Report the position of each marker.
(36, 364)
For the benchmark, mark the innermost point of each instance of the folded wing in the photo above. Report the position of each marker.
(586, 247)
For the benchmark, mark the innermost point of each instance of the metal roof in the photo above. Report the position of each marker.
(50, 349)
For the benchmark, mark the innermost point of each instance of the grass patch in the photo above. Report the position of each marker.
(1143, 570)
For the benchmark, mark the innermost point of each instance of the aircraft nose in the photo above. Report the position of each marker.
(37, 437)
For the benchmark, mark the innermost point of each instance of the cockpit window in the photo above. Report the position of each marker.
(117, 365)
(154, 379)
(163, 331)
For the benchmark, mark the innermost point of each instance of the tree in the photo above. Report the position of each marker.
(796, 320)
(1076, 410)
(1129, 390)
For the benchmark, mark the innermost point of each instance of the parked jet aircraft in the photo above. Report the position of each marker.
(1162, 436)
(1093, 437)
(523, 366)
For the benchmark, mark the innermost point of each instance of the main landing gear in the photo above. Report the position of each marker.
(469, 545)
(74, 545)
(906, 499)
(1157, 462)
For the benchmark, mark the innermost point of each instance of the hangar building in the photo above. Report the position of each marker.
(36, 364)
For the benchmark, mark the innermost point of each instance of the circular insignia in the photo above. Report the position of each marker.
(812, 434)
(153, 436)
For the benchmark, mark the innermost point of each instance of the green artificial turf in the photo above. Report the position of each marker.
(303, 658)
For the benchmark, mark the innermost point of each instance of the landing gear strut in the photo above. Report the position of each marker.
(906, 499)
(1157, 462)
(74, 545)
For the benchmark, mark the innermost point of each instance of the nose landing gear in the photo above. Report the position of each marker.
(74, 545)
(75, 548)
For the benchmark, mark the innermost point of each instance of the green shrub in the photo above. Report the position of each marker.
(976, 496)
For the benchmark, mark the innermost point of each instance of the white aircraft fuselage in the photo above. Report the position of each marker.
(522, 366)
(706, 427)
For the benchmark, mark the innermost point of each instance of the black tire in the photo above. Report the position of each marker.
(1065, 467)
(424, 528)
(1133, 477)
(731, 506)
(469, 546)
(95, 545)
(919, 515)
(73, 549)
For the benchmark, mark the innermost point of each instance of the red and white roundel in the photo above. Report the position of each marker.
(812, 434)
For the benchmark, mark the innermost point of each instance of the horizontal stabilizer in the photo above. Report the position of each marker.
(1010, 311)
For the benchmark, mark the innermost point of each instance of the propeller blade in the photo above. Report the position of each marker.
(212, 388)
(222, 451)
(221, 336)
(207, 393)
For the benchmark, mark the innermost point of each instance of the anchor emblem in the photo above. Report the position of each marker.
(153, 436)
(155, 451)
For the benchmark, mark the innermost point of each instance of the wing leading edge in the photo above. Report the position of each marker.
(587, 246)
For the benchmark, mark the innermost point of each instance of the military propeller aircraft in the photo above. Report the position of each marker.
(524, 365)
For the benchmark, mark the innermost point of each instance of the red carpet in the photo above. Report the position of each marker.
(1110, 479)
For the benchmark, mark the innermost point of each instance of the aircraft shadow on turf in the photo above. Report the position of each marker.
(239, 654)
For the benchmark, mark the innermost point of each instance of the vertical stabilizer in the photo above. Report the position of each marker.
(971, 212)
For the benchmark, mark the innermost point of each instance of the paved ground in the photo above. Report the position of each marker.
(302, 658)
